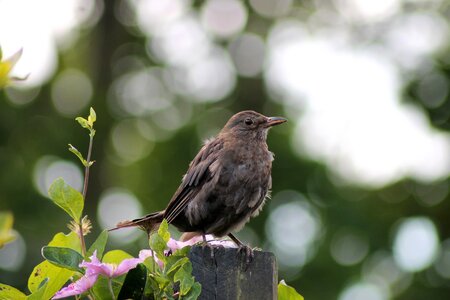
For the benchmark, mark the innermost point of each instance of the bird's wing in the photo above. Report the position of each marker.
(199, 172)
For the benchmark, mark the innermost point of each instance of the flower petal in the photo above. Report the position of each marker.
(126, 265)
(145, 253)
(95, 266)
(175, 245)
(78, 287)
(13, 59)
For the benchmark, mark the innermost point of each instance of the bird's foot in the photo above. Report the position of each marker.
(247, 252)
(206, 244)
(243, 249)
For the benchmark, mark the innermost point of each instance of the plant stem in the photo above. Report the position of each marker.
(83, 244)
(111, 288)
(85, 186)
(86, 170)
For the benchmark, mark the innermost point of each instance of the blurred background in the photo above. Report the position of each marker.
(360, 205)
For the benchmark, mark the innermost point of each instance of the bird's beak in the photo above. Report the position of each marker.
(272, 121)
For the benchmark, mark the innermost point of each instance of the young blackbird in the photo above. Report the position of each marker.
(226, 183)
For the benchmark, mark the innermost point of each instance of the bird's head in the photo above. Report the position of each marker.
(251, 125)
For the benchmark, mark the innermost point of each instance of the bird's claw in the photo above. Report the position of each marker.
(247, 252)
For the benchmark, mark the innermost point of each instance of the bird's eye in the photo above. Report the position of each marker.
(248, 121)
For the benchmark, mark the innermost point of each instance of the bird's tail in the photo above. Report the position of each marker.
(148, 223)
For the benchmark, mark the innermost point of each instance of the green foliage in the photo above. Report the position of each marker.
(40, 293)
(158, 242)
(99, 244)
(63, 257)
(66, 197)
(286, 292)
(134, 283)
(103, 286)
(89, 123)
(6, 233)
(56, 276)
(115, 256)
(69, 240)
(80, 156)
(176, 270)
(8, 292)
(170, 278)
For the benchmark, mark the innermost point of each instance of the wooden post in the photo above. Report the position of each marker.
(225, 275)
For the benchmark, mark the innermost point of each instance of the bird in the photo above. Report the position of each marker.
(226, 184)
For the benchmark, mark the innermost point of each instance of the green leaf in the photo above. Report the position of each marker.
(63, 257)
(134, 284)
(286, 292)
(101, 287)
(158, 240)
(115, 257)
(163, 231)
(78, 154)
(158, 245)
(57, 278)
(69, 240)
(161, 280)
(182, 251)
(1, 53)
(67, 198)
(99, 244)
(174, 262)
(6, 233)
(83, 122)
(40, 293)
(9, 293)
(194, 292)
(184, 276)
(92, 117)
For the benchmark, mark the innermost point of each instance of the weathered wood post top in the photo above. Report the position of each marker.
(224, 273)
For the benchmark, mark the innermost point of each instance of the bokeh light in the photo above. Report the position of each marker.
(224, 18)
(348, 134)
(368, 11)
(71, 92)
(49, 168)
(284, 225)
(415, 36)
(381, 269)
(12, 255)
(433, 89)
(271, 8)
(349, 247)
(39, 31)
(153, 15)
(364, 84)
(22, 96)
(363, 290)
(442, 264)
(140, 93)
(247, 52)
(118, 205)
(416, 244)
(131, 142)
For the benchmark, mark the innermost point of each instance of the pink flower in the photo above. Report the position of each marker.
(94, 268)
(175, 245)
(78, 287)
